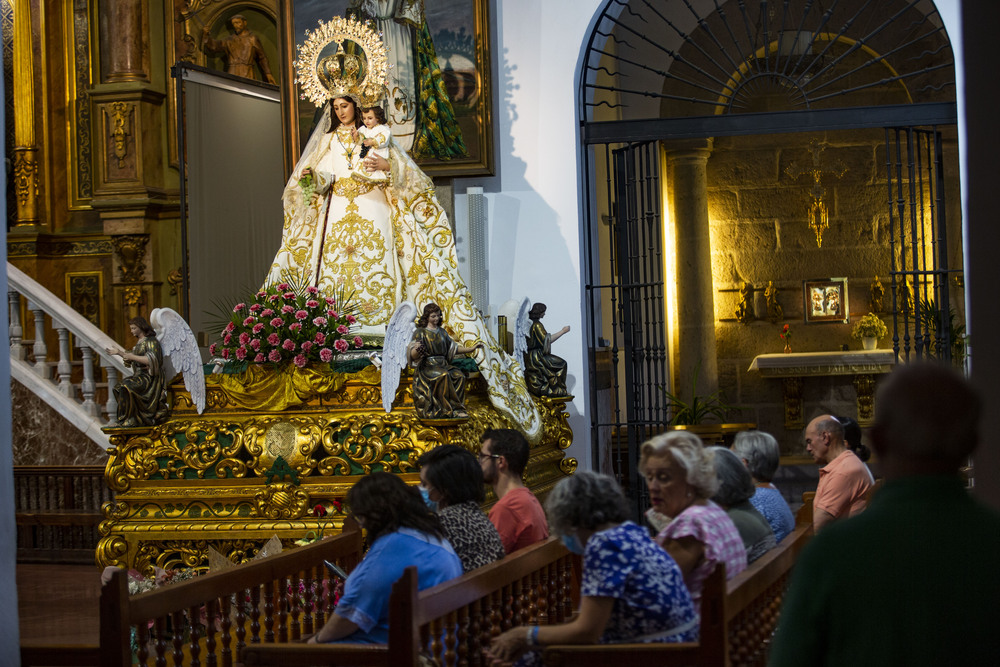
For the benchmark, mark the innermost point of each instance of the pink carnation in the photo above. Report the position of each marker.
(299, 360)
(325, 355)
(244, 338)
(274, 356)
(277, 322)
(283, 286)
(229, 328)
(257, 328)
(238, 307)
(320, 338)
(288, 344)
(225, 353)
(351, 319)
(274, 339)
(341, 345)
(332, 313)
(256, 307)
(259, 359)
(306, 346)
(288, 296)
(301, 314)
(312, 290)
(273, 298)
(330, 302)
(358, 342)
(295, 326)
(248, 321)
(287, 309)
(267, 312)
(226, 339)
(312, 303)
(211, 348)
(320, 322)
(342, 329)
(255, 343)
(241, 353)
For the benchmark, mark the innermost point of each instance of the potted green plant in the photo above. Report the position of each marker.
(702, 415)
(869, 329)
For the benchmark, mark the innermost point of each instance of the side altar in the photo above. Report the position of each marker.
(251, 466)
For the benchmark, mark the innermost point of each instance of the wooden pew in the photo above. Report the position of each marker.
(738, 619)
(211, 617)
(454, 621)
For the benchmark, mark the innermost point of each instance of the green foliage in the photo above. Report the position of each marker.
(930, 319)
(869, 326)
(699, 408)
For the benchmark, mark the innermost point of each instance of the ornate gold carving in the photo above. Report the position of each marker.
(130, 251)
(79, 42)
(568, 466)
(864, 385)
(342, 74)
(793, 402)
(84, 293)
(120, 113)
(744, 309)
(175, 279)
(26, 185)
(281, 501)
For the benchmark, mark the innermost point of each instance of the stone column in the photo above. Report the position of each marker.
(687, 182)
(125, 36)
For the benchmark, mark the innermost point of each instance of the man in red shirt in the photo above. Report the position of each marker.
(843, 481)
(517, 514)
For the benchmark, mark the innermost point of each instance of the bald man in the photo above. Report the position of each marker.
(913, 580)
(843, 480)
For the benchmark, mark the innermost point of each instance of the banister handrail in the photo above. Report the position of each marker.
(87, 335)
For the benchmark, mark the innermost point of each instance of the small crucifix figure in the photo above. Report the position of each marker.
(818, 213)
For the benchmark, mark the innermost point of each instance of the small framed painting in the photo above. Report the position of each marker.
(825, 300)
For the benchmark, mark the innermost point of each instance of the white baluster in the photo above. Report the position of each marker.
(88, 387)
(41, 351)
(111, 407)
(64, 369)
(16, 332)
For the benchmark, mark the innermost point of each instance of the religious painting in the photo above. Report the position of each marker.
(825, 300)
(439, 102)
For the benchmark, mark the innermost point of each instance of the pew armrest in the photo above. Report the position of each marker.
(600, 655)
(298, 655)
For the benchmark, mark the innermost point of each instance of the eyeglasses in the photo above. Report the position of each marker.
(488, 456)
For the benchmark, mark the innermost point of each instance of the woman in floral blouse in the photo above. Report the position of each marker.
(631, 589)
(452, 483)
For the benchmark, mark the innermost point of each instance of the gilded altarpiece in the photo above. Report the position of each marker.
(216, 479)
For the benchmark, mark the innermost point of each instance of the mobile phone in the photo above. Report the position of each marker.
(335, 570)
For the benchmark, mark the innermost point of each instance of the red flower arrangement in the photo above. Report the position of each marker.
(283, 324)
(785, 333)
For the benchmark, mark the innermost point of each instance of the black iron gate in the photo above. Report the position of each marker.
(632, 358)
(924, 323)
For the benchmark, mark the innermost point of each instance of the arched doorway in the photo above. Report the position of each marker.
(733, 146)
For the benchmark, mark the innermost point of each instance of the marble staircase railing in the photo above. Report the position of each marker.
(53, 381)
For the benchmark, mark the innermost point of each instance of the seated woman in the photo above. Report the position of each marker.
(402, 531)
(734, 493)
(452, 480)
(852, 438)
(681, 480)
(544, 372)
(760, 454)
(438, 386)
(631, 590)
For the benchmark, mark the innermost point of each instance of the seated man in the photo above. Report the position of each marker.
(843, 481)
(913, 580)
(517, 514)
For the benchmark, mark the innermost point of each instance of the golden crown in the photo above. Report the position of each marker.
(344, 74)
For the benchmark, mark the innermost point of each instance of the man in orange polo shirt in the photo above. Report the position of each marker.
(843, 481)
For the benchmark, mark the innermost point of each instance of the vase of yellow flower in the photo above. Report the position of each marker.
(868, 330)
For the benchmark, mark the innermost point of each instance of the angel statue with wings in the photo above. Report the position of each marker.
(162, 350)
(544, 372)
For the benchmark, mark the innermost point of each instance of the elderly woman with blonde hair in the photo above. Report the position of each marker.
(760, 454)
(681, 478)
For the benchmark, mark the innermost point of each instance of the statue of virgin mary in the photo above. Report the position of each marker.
(385, 242)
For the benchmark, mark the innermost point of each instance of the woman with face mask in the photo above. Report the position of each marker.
(451, 482)
(631, 589)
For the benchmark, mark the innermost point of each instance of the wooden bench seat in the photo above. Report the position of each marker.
(453, 622)
(737, 623)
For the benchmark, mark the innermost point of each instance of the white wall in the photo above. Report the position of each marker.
(535, 202)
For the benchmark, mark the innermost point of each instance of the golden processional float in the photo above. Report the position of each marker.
(267, 440)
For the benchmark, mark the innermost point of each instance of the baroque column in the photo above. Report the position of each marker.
(25, 153)
(688, 181)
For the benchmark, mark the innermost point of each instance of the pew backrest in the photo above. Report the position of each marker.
(211, 617)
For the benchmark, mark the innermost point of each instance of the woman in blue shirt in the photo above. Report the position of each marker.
(402, 531)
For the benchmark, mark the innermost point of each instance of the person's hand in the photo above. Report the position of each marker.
(376, 163)
(505, 648)
(270, 80)
(354, 134)
(564, 330)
